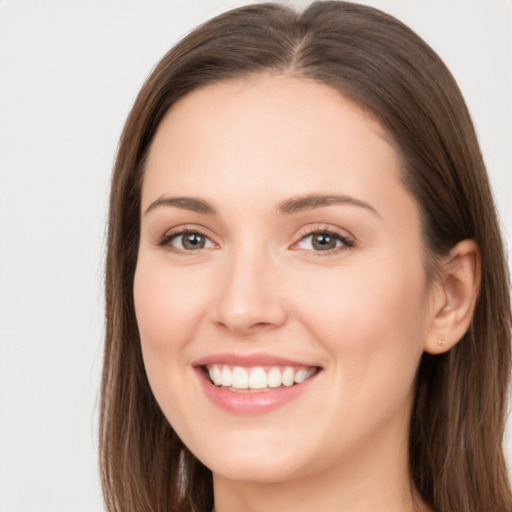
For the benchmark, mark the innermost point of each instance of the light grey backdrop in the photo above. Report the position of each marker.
(70, 70)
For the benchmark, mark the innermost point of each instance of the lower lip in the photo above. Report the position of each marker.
(257, 402)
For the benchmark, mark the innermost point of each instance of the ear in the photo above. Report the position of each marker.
(454, 297)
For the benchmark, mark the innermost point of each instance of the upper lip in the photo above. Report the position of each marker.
(249, 360)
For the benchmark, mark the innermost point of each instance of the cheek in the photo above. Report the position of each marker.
(167, 308)
(367, 303)
(168, 305)
(372, 320)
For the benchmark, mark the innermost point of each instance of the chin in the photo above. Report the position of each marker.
(254, 460)
(269, 471)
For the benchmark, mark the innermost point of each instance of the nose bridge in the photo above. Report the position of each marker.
(248, 298)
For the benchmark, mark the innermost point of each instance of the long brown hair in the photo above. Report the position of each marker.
(457, 426)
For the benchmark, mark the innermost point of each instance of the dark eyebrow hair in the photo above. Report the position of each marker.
(185, 203)
(292, 205)
(310, 201)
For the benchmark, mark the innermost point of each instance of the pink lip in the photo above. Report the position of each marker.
(250, 403)
(248, 360)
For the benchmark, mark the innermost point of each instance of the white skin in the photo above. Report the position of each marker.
(364, 311)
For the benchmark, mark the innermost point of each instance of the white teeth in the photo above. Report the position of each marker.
(300, 376)
(226, 377)
(240, 378)
(258, 378)
(288, 377)
(274, 378)
(215, 375)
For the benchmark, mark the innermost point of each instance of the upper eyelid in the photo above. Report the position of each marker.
(187, 228)
(308, 231)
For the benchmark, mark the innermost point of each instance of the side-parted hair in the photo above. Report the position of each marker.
(458, 420)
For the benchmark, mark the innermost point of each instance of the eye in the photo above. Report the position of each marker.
(324, 241)
(187, 240)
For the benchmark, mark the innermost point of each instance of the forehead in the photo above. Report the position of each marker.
(279, 109)
(270, 137)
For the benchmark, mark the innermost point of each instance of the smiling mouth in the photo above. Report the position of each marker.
(256, 379)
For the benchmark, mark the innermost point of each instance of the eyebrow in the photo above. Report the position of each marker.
(287, 207)
(185, 203)
(311, 201)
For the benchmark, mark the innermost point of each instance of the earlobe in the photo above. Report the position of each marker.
(455, 297)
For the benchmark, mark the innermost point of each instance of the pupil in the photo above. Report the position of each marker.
(324, 242)
(193, 241)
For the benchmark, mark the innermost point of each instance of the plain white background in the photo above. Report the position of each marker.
(70, 70)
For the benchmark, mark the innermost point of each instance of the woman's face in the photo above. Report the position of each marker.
(278, 244)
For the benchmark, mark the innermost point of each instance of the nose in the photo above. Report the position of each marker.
(250, 298)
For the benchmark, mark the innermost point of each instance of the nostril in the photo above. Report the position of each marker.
(245, 324)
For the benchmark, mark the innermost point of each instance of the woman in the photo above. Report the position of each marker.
(307, 299)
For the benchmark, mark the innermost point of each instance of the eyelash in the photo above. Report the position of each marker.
(347, 242)
(166, 240)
